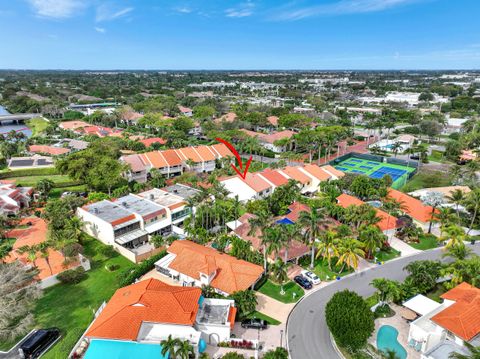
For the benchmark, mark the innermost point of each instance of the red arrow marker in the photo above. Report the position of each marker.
(239, 159)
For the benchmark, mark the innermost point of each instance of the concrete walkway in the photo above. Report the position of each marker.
(273, 308)
(403, 247)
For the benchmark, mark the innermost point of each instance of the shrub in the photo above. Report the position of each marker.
(129, 276)
(279, 353)
(108, 251)
(29, 172)
(72, 276)
(350, 320)
(112, 267)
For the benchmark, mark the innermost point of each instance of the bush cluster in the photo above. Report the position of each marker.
(72, 276)
(129, 276)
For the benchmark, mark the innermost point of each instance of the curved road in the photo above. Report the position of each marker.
(307, 332)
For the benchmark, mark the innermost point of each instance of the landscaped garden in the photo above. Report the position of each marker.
(264, 317)
(322, 270)
(292, 291)
(426, 241)
(386, 254)
(70, 307)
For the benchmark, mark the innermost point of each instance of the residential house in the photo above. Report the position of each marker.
(173, 162)
(147, 312)
(73, 125)
(13, 198)
(150, 141)
(176, 205)
(181, 190)
(269, 141)
(130, 118)
(185, 111)
(48, 150)
(446, 327)
(387, 222)
(192, 264)
(420, 213)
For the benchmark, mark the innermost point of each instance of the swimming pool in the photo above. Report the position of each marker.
(116, 349)
(387, 340)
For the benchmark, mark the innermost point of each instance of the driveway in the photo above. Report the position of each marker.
(307, 332)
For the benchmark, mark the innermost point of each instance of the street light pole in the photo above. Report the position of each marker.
(281, 338)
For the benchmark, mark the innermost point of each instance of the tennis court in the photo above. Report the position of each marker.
(374, 169)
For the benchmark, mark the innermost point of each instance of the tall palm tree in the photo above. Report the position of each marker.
(454, 235)
(473, 202)
(396, 146)
(371, 238)
(31, 252)
(349, 252)
(312, 221)
(457, 197)
(44, 249)
(279, 273)
(288, 233)
(262, 221)
(184, 350)
(387, 290)
(327, 247)
(169, 346)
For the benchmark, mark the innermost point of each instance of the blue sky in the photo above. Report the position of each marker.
(245, 34)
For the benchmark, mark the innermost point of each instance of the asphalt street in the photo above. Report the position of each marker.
(307, 332)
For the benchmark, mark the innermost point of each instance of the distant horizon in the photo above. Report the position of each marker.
(244, 70)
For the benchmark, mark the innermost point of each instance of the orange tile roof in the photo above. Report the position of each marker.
(156, 159)
(275, 136)
(136, 162)
(333, 171)
(463, 317)
(172, 157)
(386, 222)
(222, 150)
(317, 172)
(73, 125)
(273, 176)
(412, 206)
(150, 141)
(256, 182)
(51, 150)
(189, 153)
(273, 120)
(296, 174)
(205, 153)
(34, 234)
(147, 301)
(231, 275)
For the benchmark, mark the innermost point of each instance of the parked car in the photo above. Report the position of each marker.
(312, 277)
(415, 157)
(254, 323)
(38, 342)
(303, 282)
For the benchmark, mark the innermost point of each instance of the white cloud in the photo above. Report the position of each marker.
(57, 9)
(340, 8)
(243, 10)
(108, 13)
(100, 29)
(183, 9)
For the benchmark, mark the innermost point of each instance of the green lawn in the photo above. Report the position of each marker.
(57, 192)
(322, 270)
(37, 125)
(273, 290)
(386, 255)
(71, 307)
(427, 179)
(265, 317)
(427, 241)
(436, 292)
(31, 181)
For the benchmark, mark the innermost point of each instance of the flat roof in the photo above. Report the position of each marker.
(139, 205)
(162, 198)
(108, 211)
(421, 304)
(181, 190)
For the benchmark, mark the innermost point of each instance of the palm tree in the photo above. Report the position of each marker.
(458, 252)
(279, 273)
(372, 238)
(474, 352)
(455, 173)
(328, 247)
(433, 199)
(455, 236)
(389, 354)
(288, 233)
(457, 197)
(44, 249)
(169, 346)
(396, 146)
(31, 252)
(184, 350)
(263, 222)
(473, 203)
(387, 290)
(445, 217)
(349, 252)
(44, 186)
(312, 221)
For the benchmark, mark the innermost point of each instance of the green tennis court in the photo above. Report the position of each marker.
(375, 169)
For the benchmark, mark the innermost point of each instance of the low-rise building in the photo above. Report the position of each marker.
(192, 264)
(420, 213)
(48, 150)
(13, 198)
(176, 205)
(446, 327)
(149, 311)
(269, 141)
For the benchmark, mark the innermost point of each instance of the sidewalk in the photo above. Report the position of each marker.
(404, 248)
(273, 308)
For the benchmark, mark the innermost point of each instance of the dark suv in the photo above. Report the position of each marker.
(303, 282)
(254, 323)
(38, 342)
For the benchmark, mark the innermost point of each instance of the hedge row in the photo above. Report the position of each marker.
(129, 276)
(67, 184)
(29, 172)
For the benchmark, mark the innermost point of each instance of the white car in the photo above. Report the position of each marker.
(312, 277)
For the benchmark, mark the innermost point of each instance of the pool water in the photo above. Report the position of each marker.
(115, 349)
(387, 340)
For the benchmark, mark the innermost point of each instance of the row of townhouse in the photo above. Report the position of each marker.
(262, 184)
(129, 222)
(173, 162)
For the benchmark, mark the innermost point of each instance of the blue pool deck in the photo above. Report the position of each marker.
(115, 349)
